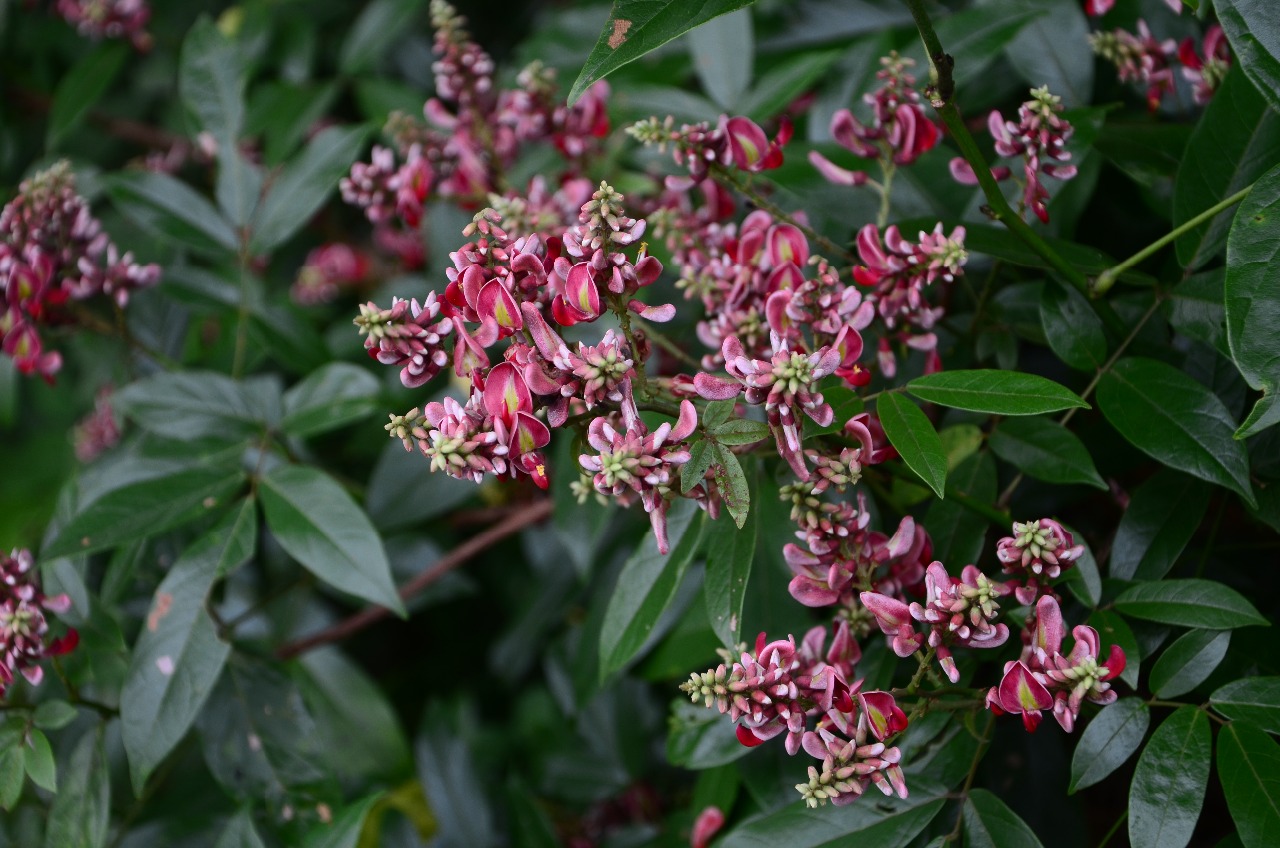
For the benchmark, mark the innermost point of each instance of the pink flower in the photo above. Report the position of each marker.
(1206, 70)
(705, 827)
(409, 335)
(327, 269)
(1139, 58)
(24, 629)
(1037, 549)
(1020, 693)
(98, 19)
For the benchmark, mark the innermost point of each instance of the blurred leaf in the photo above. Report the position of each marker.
(911, 433)
(723, 53)
(1189, 603)
(1162, 516)
(976, 37)
(1195, 309)
(1146, 152)
(346, 828)
(646, 586)
(240, 832)
(82, 87)
(172, 210)
(1175, 420)
(336, 395)
(304, 184)
(1188, 662)
(380, 25)
(957, 536)
(1114, 630)
(777, 88)
(1249, 768)
(636, 27)
(1045, 450)
(887, 823)
(319, 525)
(1169, 783)
(530, 825)
(989, 823)
(39, 761)
(402, 491)
(1073, 329)
(53, 715)
(454, 789)
(283, 113)
(13, 761)
(1255, 699)
(732, 484)
(730, 554)
(1253, 28)
(1109, 739)
(995, 392)
(179, 655)
(700, 737)
(189, 404)
(1252, 292)
(959, 442)
(1053, 50)
(211, 81)
(81, 812)
(1235, 142)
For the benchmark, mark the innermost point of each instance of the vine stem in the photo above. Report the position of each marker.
(1112, 832)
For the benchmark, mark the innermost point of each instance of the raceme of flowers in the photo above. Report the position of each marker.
(24, 628)
(99, 19)
(1148, 62)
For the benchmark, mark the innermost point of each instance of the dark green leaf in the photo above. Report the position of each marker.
(989, 823)
(646, 586)
(403, 491)
(1162, 516)
(957, 535)
(1114, 630)
(740, 431)
(1253, 28)
(1053, 50)
(723, 52)
(1001, 244)
(1073, 329)
(1188, 662)
(530, 825)
(332, 397)
(378, 27)
(81, 811)
(700, 737)
(1255, 699)
(189, 405)
(239, 186)
(1169, 782)
(1082, 578)
(886, 823)
(171, 210)
(1108, 741)
(82, 87)
(1206, 604)
(1045, 450)
(636, 27)
(345, 829)
(304, 185)
(702, 454)
(211, 81)
(1252, 293)
(978, 36)
(39, 761)
(1175, 420)
(1249, 768)
(447, 770)
(786, 81)
(730, 553)
(240, 832)
(179, 656)
(1236, 140)
(995, 392)
(1147, 152)
(1195, 308)
(732, 484)
(13, 761)
(911, 432)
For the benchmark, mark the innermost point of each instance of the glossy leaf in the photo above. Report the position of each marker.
(378, 27)
(81, 810)
(1206, 604)
(995, 392)
(402, 492)
(1195, 309)
(1053, 50)
(178, 656)
(1162, 516)
(319, 525)
(887, 823)
(1045, 450)
(1253, 28)
(190, 404)
(636, 27)
(646, 586)
(957, 534)
(740, 431)
(911, 432)
(172, 210)
(1083, 578)
(730, 553)
(1073, 329)
(1169, 782)
(1254, 699)
(702, 454)
(332, 397)
(1235, 142)
(82, 87)
(1249, 768)
(1108, 741)
(1175, 420)
(1252, 297)
(1188, 662)
(211, 81)
(989, 823)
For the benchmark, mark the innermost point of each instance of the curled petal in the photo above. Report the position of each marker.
(506, 394)
(712, 387)
(659, 314)
(833, 173)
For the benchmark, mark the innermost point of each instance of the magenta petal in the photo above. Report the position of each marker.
(497, 303)
(506, 394)
(687, 422)
(712, 387)
(833, 173)
(528, 435)
(811, 593)
(747, 142)
(1049, 627)
(659, 314)
(547, 340)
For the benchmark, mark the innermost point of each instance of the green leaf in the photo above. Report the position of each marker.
(345, 830)
(700, 737)
(1235, 142)
(1206, 604)
(646, 586)
(189, 405)
(1109, 739)
(211, 81)
(723, 50)
(447, 770)
(402, 491)
(989, 823)
(81, 811)
(1162, 516)
(172, 210)
(380, 25)
(1249, 768)
(1114, 630)
(636, 27)
(1053, 50)
(1255, 699)
(995, 392)
(239, 186)
(718, 412)
(1252, 296)
(304, 184)
(1044, 450)
(240, 832)
(1195, 308)
(702, 454)
(1175, 420)
(1001, 244)
(39, 761)
(784, 82)
(1169, 782)
(887, 823)
(732, 484)
(332, 397)
(83, 86)
(53, 715)
(179, 656)
(1253, 28)
(911, 432)
(845, 403)
(730, 554)
(13, 763)
(959, 442)
(139, 510)
(740, 431)
(1073, 329)
(319, 525)
(957, 535)
(1188, 662)
(1083, 579)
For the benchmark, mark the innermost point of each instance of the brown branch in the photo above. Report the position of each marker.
(514, 523)
(122, 128)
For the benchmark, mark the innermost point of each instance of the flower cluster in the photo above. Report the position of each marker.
(52, 249)
(328, 269)
(1037, 550)
(736, 141)
(24, 629)
(1040, 137)
(98, 19)
(98, 431)
(1205, 70)
(776, 690)
(1139, 58)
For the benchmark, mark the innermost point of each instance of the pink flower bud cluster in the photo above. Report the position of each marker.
(328, 269)
(1205, 70)
(776, 690)
(1037, 550)
(736, 141)
(1040, 137)
(99, 19)
(899, 132)
(1046, 679)
(24, 629)
(52, 249)
(98, 431)
(1139, 58)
